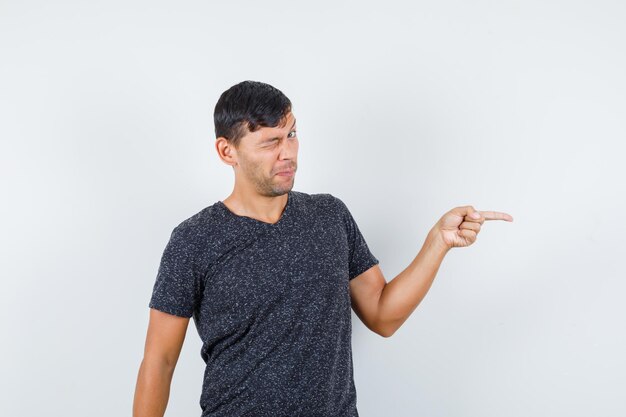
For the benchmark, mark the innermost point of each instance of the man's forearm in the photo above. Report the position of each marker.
(153, 388)
(403, 294)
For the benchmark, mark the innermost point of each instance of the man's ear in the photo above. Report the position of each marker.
(226, 151)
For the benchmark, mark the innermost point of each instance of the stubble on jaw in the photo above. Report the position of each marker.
(264, 185)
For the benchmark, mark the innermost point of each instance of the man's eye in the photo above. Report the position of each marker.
(294, 133)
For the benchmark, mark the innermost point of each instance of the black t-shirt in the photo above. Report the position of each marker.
(271, 303)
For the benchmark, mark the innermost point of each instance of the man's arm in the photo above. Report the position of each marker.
(384, 306)
(164, 340)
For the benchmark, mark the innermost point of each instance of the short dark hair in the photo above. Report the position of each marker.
(248, 106)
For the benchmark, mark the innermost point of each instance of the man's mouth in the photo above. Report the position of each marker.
(286, 173)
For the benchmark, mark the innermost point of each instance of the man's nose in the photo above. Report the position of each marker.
(288, 149)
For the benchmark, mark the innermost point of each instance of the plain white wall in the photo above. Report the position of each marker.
(405, 110)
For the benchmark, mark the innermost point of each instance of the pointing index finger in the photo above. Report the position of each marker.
(496, 215)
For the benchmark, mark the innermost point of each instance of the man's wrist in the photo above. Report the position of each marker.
(435, 241)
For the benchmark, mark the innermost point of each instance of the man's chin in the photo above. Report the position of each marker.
(283, 188)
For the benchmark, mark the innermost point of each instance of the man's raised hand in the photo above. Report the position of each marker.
(460, 226)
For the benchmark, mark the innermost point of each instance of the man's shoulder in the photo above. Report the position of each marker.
(199, 225)
(315, 198)
(321, 204)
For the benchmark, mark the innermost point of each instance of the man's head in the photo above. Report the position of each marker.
(255, 134)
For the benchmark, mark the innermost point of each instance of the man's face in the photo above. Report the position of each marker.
(263, 154)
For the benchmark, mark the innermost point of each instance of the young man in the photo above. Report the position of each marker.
(270, 275)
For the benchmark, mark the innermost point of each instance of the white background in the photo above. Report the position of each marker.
(405, 110)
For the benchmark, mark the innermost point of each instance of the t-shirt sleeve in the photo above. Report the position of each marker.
(361, 258)
(176, 289)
